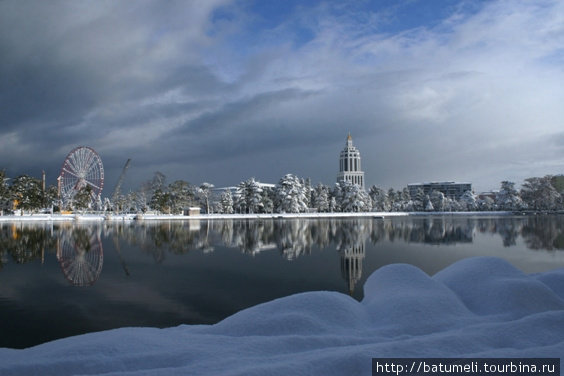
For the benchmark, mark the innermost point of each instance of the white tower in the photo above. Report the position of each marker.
(349, 165)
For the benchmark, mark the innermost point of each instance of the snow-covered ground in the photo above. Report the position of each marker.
(101, 217)
(477, 307)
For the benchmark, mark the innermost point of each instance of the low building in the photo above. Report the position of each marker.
(450, 189)
(195, 210)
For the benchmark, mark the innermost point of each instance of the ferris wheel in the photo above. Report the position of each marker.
(82, 167)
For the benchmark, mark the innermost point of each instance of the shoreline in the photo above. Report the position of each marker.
(168, 217)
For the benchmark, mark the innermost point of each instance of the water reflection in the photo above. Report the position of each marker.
(80, 253)
(22, 242)
(78, 246)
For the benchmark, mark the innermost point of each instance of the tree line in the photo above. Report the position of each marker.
(291, 194)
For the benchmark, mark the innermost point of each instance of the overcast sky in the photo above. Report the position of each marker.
(221, 90)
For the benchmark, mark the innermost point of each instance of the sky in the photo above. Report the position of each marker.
(223, 90)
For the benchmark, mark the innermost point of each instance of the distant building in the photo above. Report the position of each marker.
(450, 189)
(233, 189)
(349, 165)
(491, 195)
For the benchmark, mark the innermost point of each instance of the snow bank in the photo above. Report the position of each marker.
(479, 307)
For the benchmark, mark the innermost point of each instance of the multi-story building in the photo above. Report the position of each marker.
(450, 189)
(349, 164)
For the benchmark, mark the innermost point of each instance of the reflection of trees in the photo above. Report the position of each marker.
(294, 238)
(544, 232)
(25, 242)
(432, 230)
(509, 228)
(158, 237)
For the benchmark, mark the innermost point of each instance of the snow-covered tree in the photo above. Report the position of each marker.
(248, 197)
(132, 202)
(353, 198)
(419, 200)
(4, 192)
(333, 206)
(379, 198)
(485, 204)
(437, 199)
(468, 201)
(539, 194)
(204, 193)
(406, 203)
(427, 204)
(291, 195)
(268, 197)
(181, 194)
(321, 198)
(508, 197)
(226, 202)
(395, 200)
(27, 193)
(160, 201)
(51, 197)
(309, 190)
(83, 198)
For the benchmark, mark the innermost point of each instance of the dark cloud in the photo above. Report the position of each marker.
(216, 91)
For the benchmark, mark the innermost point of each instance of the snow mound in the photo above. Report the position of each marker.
(479, 307)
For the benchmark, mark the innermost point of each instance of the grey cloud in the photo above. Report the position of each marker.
(155, 82)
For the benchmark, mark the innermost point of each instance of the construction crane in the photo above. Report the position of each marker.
(120, 181)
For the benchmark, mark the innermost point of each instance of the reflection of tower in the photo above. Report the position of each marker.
(349, 165)
(81, 256)
(351, 264)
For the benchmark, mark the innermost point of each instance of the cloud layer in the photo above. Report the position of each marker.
(220, 91)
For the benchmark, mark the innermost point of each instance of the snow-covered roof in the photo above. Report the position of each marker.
(439, 182)
(477, 307)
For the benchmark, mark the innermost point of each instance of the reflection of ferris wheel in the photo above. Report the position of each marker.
(82, 168)
(81, 257)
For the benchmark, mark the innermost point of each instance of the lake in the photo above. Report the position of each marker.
(63, 279)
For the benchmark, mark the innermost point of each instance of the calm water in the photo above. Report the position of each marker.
(58, 280)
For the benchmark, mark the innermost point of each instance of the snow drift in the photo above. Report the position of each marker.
(478, 307)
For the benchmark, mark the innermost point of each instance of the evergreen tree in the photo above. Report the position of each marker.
(291, 195)
(226, 202)
(485, 204)
(50, 198)
(27, 193)
(353, 198)
(160, 201)
(248, 198)
(437, 199)
(540, 194)
(419, 200)
(427, 204)
(82, 199)
(333, 206)
(379, 199)
(508, 198)
(468, 201)
(267, 200)
(5, 196)
(321, 199)
(181, 196)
